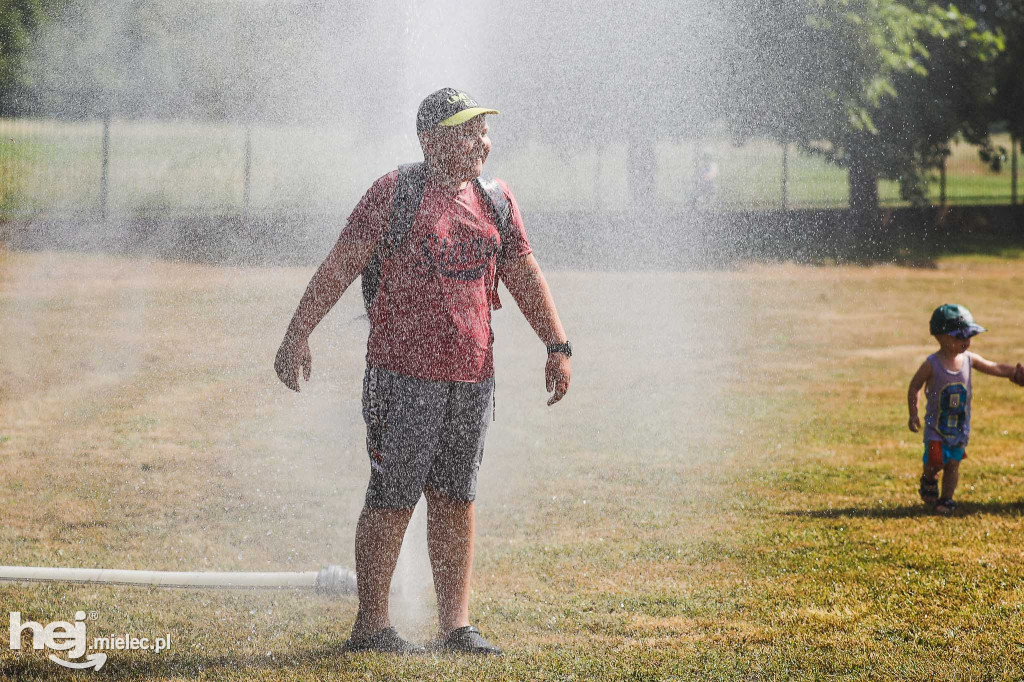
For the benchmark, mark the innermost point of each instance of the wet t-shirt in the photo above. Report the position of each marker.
(431, 318)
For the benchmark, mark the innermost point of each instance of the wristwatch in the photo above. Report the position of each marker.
(560, 348)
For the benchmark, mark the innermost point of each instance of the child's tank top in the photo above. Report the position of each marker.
(948, 414)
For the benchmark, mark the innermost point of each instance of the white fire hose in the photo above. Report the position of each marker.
(329, 580)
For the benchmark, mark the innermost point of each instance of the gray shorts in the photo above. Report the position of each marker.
(423, 434)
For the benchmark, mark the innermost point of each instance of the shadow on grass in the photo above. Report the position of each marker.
(1015, 508)
(183, 666)
(325, 662)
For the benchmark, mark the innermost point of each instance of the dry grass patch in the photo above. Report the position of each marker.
(728, 493)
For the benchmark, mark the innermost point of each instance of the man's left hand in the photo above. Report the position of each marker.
(557, 373)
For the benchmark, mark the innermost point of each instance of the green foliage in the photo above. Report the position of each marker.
(885, 84)
(18, 20)
(1006, 18)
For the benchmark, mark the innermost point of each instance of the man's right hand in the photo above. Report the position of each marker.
(914, 423)
(293, 354)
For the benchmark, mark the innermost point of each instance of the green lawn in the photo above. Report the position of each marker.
(728, 491)
(154, 167)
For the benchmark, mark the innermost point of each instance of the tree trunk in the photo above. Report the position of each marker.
(643, 165)
(863, 188)
(862, 230)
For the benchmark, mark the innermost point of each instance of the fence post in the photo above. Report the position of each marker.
(105, 174)
(247, 174)
(1014, 142)
(942, 181)
(785, 176)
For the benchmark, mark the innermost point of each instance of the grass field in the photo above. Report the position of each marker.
(728, 491)
(175, 167)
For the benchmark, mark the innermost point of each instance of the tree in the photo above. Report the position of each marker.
(19, 19)
(951, 98)
(1005, 17)
(1008, 17)
(875, 86)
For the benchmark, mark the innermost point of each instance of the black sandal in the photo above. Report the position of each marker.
(467, 640)
(945, 506)
(386, 641)
(929, 490)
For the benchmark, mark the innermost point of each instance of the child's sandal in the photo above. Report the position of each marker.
(945, 506)
(929, 490)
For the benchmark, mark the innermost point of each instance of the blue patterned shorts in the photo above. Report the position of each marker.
(938, 454)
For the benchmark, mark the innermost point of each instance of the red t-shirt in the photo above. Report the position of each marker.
(431, 318)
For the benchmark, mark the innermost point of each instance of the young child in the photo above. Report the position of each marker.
(946, 376)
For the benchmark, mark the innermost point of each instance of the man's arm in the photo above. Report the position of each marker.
(923, 374)
(1014, 373)
(346, 260)
(526, 283)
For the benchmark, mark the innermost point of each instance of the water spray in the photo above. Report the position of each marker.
(331, 580)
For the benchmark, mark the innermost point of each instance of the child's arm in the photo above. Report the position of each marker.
(921, 377)
(998, 369)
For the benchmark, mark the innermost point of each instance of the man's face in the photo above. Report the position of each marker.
(460, 150)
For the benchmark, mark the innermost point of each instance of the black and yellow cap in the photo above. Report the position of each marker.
(447, 107)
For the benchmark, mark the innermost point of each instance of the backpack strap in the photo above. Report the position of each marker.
(408, 194)
(500, 206)
(502, 210)
(406, 204)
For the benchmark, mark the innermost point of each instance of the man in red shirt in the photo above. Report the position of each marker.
(428, 388)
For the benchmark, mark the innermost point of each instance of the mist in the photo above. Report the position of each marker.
(604, 106)
(603, 66)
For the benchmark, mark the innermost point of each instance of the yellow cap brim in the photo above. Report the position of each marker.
(465, 115)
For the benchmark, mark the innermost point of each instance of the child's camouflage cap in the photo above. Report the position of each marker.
(954, 320)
